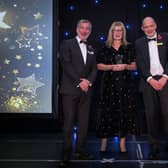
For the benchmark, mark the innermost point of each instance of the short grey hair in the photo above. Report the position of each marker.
(84, 21)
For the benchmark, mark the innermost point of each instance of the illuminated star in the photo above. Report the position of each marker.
(15, 5)
(40, 47)
(29, 84)
(28, 64)
(40, 57)
(3, 25)
(23, 42)
(18, 57)
(37, 65)
(33, 33)
(13, 89)
(15, 71)
(37, 16)
(6, 61)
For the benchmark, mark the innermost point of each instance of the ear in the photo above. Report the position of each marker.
(142, 28)
(156, 25)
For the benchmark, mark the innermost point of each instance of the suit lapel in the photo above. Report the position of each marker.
(146, 50)
(78, 51)
(160, 48)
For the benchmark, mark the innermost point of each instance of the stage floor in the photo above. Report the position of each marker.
(43, 150)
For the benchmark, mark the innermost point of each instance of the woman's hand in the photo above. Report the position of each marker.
(119, 67)
(131, 66)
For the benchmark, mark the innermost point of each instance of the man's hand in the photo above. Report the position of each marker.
(162, 81)
(84, 84)
(155, 84)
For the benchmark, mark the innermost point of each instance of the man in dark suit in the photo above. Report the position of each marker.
(79, 72)
(152, 62)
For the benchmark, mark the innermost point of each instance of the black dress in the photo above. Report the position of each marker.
(116, 105)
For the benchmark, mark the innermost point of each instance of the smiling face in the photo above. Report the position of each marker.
(149, 26)
(83, 30)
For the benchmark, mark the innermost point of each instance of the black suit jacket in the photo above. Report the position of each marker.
(73, 67)
(143, 58)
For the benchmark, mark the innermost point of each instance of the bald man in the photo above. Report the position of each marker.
(152, 62)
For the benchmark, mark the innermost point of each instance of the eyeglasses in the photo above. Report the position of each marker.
(117, 30)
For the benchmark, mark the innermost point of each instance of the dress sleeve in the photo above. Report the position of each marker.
(131, 53)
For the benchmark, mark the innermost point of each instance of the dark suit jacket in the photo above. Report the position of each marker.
(142, 55)
(73, 66)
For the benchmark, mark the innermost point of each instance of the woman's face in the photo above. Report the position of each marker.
(117, 33)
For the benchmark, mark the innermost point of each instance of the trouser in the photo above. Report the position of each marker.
(75, 106)
(156, 106)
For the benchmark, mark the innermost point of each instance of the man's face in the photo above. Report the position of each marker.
(149, 27)
(83, 30)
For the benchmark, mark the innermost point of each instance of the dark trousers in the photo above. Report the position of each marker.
(75, 107)
(156, 105)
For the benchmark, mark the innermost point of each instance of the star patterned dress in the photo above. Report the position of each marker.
(116, 106)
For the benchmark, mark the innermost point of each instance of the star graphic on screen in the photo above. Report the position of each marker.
(3, 25)
(31, 33)
(18, 57)
(6, 61)
(37, 16)
(23, 42)
(29, 84)
(15, 71)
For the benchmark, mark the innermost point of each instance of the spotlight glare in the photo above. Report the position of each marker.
(97, 2)
(144, 5)
(102, 38)
(161, 6)
(135, 73)
(116, 139)
(128, 26)
(72, 7)
(66, 33)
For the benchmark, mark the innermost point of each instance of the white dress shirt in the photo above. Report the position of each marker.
(83, 49)
(155, 65)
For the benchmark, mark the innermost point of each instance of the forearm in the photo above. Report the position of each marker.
(92, 75)
(104, 67)
(131, 66)
(69, 70)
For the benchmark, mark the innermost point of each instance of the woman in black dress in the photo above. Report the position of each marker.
(116, 109)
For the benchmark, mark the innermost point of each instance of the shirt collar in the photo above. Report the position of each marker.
(78, 39)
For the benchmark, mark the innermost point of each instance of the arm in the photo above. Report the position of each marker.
(141, 62)
(145, 69)
(90, 79)
(92, 75)
(66, 62)
(104, 67)
(131, 66)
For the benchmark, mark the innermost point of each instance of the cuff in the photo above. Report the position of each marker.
(166, 76)
(150, 77)
(90, 84)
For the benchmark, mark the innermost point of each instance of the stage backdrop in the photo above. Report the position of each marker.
(26, 33)
(102, 13)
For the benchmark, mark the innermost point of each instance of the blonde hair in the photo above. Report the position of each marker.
(110, 39)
